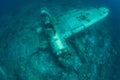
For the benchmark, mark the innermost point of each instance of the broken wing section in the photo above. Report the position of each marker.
(77, 20)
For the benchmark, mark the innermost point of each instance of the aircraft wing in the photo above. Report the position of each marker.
(76, 20)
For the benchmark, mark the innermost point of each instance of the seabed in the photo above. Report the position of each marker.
(25, 53)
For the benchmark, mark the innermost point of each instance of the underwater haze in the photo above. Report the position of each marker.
(34, 46)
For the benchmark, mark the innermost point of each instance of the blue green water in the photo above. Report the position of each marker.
(26, 54)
